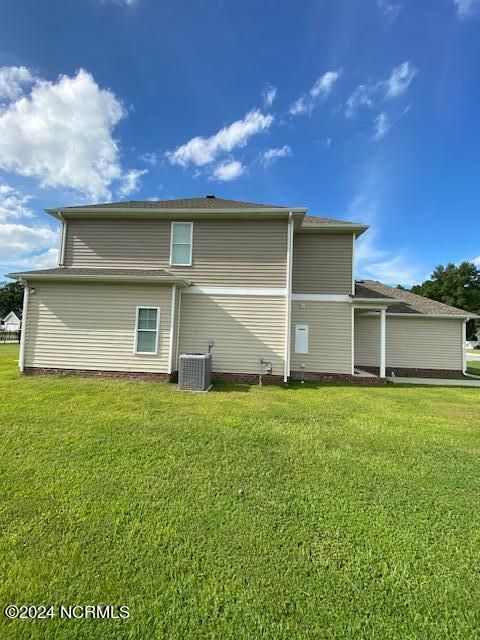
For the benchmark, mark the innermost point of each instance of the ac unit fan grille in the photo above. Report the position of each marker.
(195, 372)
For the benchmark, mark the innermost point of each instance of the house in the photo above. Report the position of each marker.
(139, 283)
(12, 322)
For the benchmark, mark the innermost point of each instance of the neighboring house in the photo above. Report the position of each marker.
(12, 322)
(141, 282)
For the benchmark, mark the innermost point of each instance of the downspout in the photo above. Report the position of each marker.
(21, 355)
(172, 328)
(177, 349)
(63, 237)
(383, 333)
(353, 264)
(288, 298)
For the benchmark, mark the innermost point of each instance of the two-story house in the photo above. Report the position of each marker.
(139, 283)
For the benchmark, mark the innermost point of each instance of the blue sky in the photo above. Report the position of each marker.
(358, 109)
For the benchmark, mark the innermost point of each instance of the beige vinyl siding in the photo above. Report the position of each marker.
(322, 263)
(249, 253)
(426, 343)
(367, 340)
(244, 328)
(92, 326)
(329, 337)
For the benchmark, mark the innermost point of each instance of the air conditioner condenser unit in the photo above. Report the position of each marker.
(195, 372)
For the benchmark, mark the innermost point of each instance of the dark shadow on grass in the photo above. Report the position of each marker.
(231, 387)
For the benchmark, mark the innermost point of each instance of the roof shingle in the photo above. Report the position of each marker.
(320, 220)
(204, 202)
(408, 302)
(95, 273)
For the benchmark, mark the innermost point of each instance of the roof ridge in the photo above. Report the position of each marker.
(195, 202)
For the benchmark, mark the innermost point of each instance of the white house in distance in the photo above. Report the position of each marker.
(12, 322)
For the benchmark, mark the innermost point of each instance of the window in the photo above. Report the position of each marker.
(146, 330)
(301, 338)
(181, 244)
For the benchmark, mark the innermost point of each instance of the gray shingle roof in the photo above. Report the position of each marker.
(204, 202)
(407, 302)
(68, 272)
(332, 221)
(362, 291)
(76, 271)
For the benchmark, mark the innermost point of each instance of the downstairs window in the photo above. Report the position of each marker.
(146, 330)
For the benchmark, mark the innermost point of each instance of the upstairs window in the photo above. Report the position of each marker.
(181, 244)
(146, 330)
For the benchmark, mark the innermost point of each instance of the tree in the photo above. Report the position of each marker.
(11, 298)
(456, 286)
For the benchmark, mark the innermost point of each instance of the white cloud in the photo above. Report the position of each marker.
(19, 240)
(383, 123)
(150, 158)
(393, 271)
(200, 151)
(62, 134)
(382, 126)
(400, 80)
(390, 11)
(45, 260)
(368, 94)
(131, 181)
(299, 106)
(390, 265)
(269, 94)
(318, 92)
(13, 80)
(21, 243)
(476, 261)
(13, 204)
(466, 8)
(269, 156)
(362, 96)
(324, 84)
(226, 171)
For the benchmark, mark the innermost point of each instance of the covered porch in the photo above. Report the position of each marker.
(376, 307)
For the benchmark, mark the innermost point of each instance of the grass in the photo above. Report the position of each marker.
(473, 366)
(312, 512)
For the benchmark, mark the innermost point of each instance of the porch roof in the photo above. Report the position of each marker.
(102, 275)
(405, 302)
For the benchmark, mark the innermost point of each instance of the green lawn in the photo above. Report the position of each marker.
(311, 512)
(473, 366)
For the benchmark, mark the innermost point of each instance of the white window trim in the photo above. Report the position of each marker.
(181, 264)
(305, 327)
(157, 332)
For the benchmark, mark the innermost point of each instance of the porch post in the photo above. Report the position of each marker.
(383, 327)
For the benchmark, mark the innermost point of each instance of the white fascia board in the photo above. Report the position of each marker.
(445, 316)
(321, 297)
(236, 291)
(364, 303)
(352, 228)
